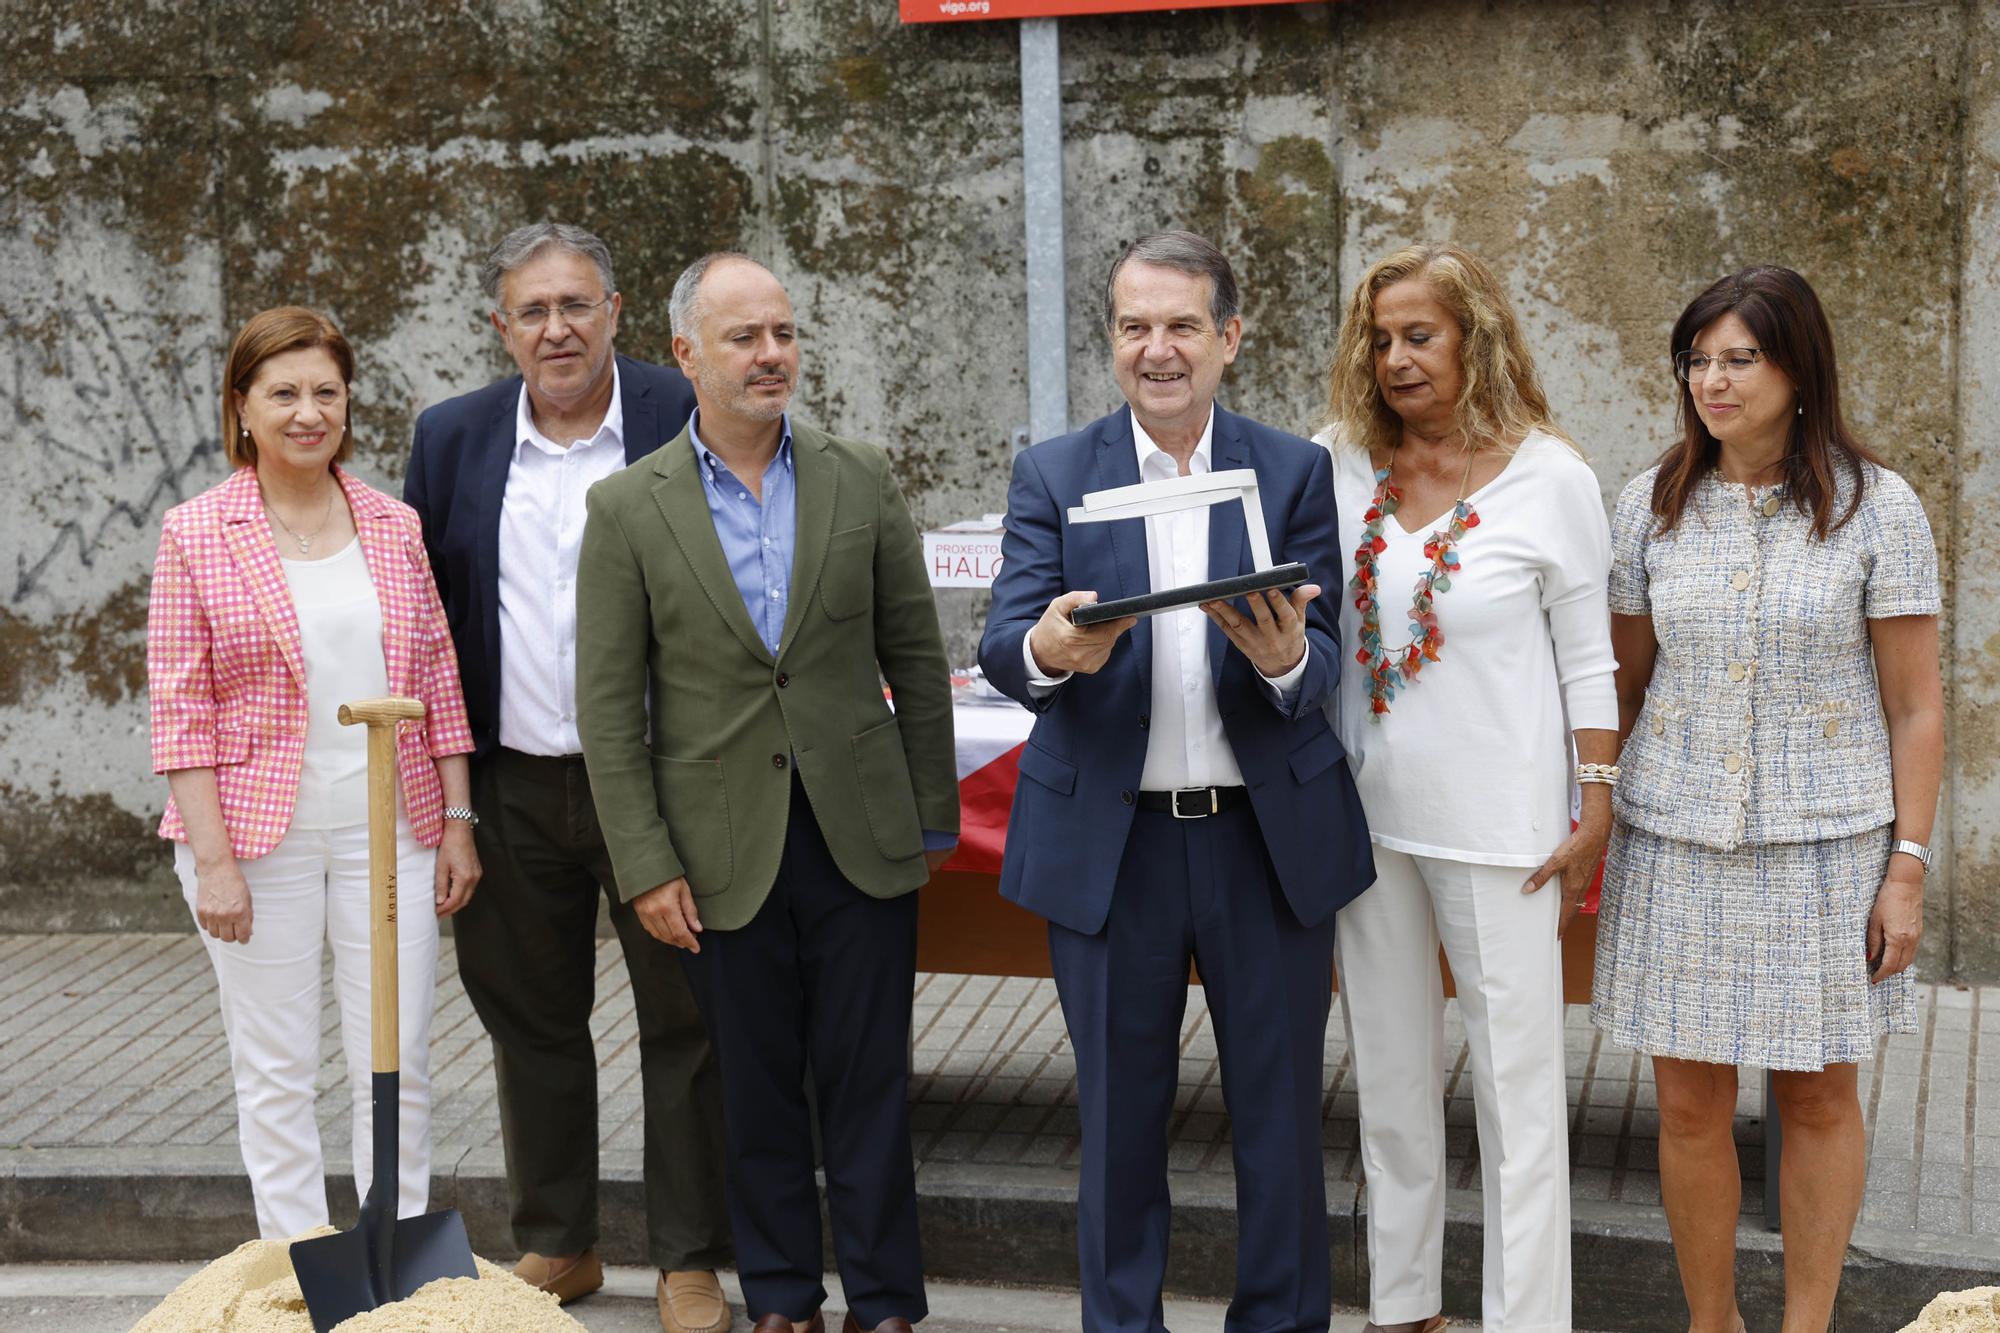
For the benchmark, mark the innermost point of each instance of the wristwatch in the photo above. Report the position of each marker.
(1916, 849)
(471, 818)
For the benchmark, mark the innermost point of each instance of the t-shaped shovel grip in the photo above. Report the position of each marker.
(381, 717)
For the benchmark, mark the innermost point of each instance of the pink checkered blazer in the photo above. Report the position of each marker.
(227, 673)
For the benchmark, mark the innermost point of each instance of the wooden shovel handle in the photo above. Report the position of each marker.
(381, 712)
(381, 717)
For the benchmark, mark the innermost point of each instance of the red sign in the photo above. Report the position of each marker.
(960, 11)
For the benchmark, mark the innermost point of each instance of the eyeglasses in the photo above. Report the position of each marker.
(572, 312)
(1736, 362)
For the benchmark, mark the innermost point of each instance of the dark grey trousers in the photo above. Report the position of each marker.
(527, 955)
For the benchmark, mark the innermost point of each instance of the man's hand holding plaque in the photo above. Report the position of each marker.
(1273, 635)
(1059, 646)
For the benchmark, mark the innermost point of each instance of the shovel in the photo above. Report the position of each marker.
(384, 1258)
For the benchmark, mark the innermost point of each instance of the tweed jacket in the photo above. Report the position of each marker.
(1763, 721)
(226, 670)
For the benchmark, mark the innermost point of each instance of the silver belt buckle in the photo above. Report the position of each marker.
(1213, 804)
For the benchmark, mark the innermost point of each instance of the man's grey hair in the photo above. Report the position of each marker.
(517, 247)
(684, 306)
(1189, 253)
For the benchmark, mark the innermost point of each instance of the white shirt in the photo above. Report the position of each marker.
(541, 533)
(1185, 743)
(1473, 761)
(340, 637)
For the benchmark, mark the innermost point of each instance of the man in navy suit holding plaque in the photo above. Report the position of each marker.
(1182, 796)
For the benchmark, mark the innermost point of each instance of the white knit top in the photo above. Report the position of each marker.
(1473, 761)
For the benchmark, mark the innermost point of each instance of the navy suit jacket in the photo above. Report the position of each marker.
(1080, 771)
(457, 476)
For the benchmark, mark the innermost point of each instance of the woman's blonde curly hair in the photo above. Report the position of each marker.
(1502, 398)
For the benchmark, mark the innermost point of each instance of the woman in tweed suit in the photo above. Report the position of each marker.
(278, 595)
(1774, 598)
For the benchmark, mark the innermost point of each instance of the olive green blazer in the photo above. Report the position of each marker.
(690, 727)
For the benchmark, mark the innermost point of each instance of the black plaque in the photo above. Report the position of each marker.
(1173, 599)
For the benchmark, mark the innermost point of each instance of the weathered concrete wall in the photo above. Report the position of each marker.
(172, 167)
(1973, 633)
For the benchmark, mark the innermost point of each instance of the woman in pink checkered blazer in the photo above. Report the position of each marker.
(277, 596)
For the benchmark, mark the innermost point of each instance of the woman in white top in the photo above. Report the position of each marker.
(278, 595)
(1479, 645)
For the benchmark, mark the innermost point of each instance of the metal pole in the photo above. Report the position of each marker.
(1041, 159)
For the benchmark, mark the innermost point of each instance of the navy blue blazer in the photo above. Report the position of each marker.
(1080, 771)
(457, 476)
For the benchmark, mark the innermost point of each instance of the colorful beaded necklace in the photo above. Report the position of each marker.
(1391, 669)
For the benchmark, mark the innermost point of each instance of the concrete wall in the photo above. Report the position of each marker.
(173, 167)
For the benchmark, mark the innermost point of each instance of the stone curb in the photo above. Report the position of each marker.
(990, 1224)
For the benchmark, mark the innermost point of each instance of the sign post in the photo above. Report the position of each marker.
(1042, 169)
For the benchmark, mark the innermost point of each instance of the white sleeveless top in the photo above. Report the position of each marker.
(340, 635)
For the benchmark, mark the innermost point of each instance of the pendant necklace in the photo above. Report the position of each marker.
(305, 541)
(1391, 669)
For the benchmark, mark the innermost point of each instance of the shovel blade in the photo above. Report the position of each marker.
(339, 1277)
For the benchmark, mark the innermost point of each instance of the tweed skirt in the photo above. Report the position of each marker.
(1751, 957)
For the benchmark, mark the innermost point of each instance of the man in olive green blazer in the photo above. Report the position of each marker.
(741, 596)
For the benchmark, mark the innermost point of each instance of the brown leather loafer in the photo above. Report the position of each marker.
(777, 1323)
(893, 1324)
(565, 1279)
(692, 1302)
(1435, 1324)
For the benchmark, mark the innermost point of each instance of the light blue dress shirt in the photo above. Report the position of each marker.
(757, 535)
(758, 538)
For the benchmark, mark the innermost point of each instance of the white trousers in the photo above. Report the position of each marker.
(1507, 967)
(313, 887)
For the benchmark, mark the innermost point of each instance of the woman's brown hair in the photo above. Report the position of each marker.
(1502, 399)
(268, 333)
(1785, 317)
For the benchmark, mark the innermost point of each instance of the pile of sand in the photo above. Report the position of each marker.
(252, 1290)
(1974, 1311)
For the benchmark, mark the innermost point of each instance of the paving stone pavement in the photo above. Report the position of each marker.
(90, 1298)
(116, 1042)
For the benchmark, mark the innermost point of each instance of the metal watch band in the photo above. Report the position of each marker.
(464, 812)
(1916, 849)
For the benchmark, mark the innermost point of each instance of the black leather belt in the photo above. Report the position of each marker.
(523, 756)
(1193, 802)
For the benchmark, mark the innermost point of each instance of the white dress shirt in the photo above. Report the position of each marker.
(1185, 743)
(541, 532)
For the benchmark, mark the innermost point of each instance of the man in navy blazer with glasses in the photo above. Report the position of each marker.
(1182, 797)
(498, 476)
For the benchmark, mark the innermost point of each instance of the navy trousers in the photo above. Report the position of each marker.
(821, 978)
(1201, 889)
